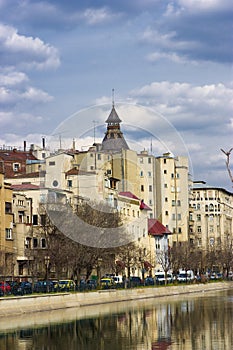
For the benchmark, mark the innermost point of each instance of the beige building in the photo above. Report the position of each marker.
(211, 222)
(172, 195)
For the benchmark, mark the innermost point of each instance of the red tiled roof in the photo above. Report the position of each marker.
(28, 175)
(155, 228)
(73, 171)
(128, 194)
(144, 206)
(23, 187)
(16, 155)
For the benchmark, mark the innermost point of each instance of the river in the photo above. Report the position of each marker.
(192, 322)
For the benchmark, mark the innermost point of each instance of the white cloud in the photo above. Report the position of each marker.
(26, 51)
(200, 5)
(96, 16)
(11, 78)
(7, 119)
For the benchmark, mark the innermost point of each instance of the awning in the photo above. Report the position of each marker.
(120, 264)
(147, 265)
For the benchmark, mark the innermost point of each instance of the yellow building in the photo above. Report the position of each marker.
(6, 228)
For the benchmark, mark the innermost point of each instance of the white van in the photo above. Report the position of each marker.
(118, 279)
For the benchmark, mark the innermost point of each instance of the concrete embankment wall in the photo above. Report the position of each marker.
(35, 303)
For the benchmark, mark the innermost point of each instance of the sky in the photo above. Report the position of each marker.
(169, 63)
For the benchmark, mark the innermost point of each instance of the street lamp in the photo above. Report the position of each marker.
(47, 262)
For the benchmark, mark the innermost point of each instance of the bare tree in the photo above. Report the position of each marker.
(228, 153)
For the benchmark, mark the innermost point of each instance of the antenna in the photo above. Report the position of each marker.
(151, 146)
(95, 123)
(113, 97)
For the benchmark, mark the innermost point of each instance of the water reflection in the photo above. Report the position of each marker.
(193, 323)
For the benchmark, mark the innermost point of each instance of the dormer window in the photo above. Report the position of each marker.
(16, 167)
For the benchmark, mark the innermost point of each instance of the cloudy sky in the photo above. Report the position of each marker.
(172, 58)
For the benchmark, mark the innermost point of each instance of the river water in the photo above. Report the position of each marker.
(194, 322)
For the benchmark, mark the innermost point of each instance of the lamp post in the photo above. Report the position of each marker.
(47, 262)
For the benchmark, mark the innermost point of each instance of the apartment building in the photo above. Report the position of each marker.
(211, 221)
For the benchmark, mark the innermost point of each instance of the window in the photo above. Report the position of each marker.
(43, 220)
(141, 173)
(150, 188)
(8, 233)
(141, 160)
(178, 202)
(173, 216)
(150, 202)
(51, 163)
(165, 171)
(35, 242)
(16, 167)
(99, 156)
(149, 173)
(211, 207)
(43, 243)
(179, 230)
(164, 161)
(179, 216)
(199, 229)
(142, 188)
(21, 217)
(43, 155)
(35, 220)
(149, 160)
(69, 183)
(91, 155)
(166, 212)
(27, 242)
(92, 167)
(166, 199)
(198, 217)
(198, 206)
(55, 183)
(8, 208)
(165, 185)
(173, 202)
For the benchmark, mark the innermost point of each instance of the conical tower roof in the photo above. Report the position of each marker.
(113, 117)
(114, 139)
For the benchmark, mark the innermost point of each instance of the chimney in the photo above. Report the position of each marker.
(2, 167)
(24, 146)
(43, 142)
(73, 145)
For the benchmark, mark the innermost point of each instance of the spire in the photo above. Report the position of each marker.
(113, 139)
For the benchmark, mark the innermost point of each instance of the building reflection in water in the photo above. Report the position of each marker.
(192, 323)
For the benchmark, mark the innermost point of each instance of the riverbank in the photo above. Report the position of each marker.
(47, 302)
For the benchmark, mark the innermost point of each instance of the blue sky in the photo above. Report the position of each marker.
(171, 57)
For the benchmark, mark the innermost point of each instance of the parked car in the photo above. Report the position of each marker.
(185, 276)
(135, 281)
(160, 278)
(149, 281)
(106, 283)
(66, 285)
(5, 288)
(91, 284)
(22, 288)
(43, 287)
